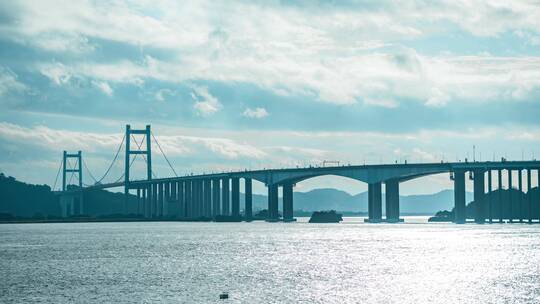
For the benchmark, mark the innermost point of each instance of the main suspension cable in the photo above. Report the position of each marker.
(58, 174)
(114, 160)
(89, 172)
(165, 156)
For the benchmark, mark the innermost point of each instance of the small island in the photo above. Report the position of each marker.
(442, 216)
(326, 217)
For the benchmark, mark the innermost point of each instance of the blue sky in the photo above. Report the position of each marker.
(233, 85)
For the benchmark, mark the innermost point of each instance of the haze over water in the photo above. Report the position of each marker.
(258, 262)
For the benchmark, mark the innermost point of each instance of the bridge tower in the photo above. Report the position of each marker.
(147, 155)
(76, 169)
(68, 200)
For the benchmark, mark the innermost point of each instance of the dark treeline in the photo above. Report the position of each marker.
(505, 204)
(18, 199)
(515, 206)
(26, 200)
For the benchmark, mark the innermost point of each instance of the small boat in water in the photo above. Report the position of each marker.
(326, 217)
(223, 296)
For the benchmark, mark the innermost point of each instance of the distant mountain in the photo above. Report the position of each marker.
(324, 199)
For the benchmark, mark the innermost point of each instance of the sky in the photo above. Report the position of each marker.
(246, 84)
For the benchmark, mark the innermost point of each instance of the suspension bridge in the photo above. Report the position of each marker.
(209, 196)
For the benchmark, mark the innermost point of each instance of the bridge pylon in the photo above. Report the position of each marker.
(68, 200)
(75, 169)
(147, 155)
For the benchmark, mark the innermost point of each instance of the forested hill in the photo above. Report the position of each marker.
(21, 199)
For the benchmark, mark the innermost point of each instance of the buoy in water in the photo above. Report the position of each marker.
(223, 296)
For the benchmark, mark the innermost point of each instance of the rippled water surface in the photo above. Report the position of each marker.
(262, 262)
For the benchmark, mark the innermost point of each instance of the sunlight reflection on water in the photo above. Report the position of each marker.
(261, 262)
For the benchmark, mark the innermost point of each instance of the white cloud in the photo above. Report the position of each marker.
(326, 53)
(386, 103)
(162, 94)
(104, 87)
(57, 73)
(255, 113)
(9, 82)
(437, 98)
(205, 103)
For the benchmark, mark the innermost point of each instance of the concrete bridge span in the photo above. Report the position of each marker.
(210, 195)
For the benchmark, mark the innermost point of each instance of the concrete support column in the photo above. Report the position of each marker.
(510, 204)
(392, 201)
(181, 201)
(460, 216)
(146, 203)
(189, 198)
(174, 192)
(499, 180)
(208, 198)
(248, 201)
(538, 186)
(216, 188)
(375, 202)
(273, 214)
(225, 196)
(165, 187)
(161, 191)
(288, 202)
(479, 196)
(198, 198)
(154, 200)
(235, 189)
(529, 195)
(138, 201)
(520, 198)
(490, 198)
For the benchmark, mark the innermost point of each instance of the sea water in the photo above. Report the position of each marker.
(259, 262)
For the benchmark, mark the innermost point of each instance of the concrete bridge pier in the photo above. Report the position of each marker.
(288, 202)
(174, 192)
(145, 203)
(225, 196)
(520, 198)
(392, 201)
(193, 199)
(181, 200)
(248, 200)
(208, 198)
(500, 196)
(154, 200)
(459, 197)
(479, 196)
(139, 201)
(197, 203)
(529, 196)
(235, 193)
(273, 214)
(216, 188)
(188, 199)
(538, 186)
(490, 198)
(510, 203)
(374, 203)
(164, 200)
